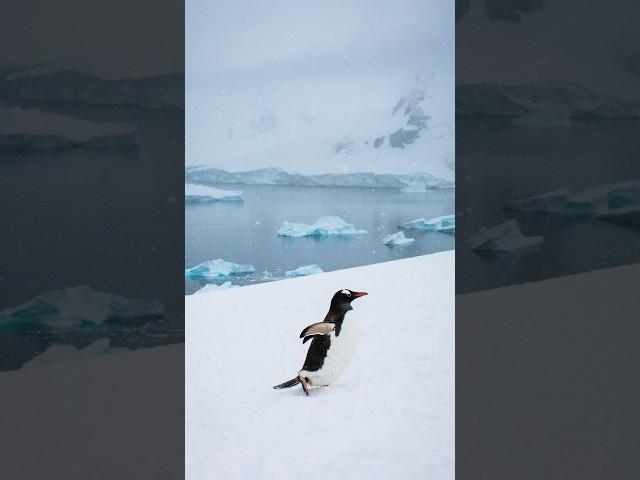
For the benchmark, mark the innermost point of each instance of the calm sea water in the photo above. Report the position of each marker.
(246, 232)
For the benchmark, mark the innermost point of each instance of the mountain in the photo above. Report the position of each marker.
(276, 176)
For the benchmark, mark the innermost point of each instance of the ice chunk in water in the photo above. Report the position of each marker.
(212, 287)
(446, 222)
(397, 240)
(323, 227)
(504, 237)
(81, 304)
(203, 194)
(303, 271)
(217, 269)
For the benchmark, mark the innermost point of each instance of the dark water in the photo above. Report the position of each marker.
(103, 218)
(247, 232)
(497, 164)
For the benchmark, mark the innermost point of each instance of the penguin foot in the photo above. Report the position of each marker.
(305, 386)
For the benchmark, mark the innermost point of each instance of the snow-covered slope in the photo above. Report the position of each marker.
(391, 415)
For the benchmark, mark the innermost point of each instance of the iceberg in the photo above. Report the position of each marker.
(504, 237)
(32, 129)
(217, 269)
(323, 227)
(79, 305)
(592, 201)
(212, 287)
(303, 271)
(414, 188)
(66, 353)
(397, 240)
(629, 216)
(437, 224)
(202, 194)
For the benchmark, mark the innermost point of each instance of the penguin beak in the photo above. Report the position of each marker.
(359, 294)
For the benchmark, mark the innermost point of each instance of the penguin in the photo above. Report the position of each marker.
(332, 344)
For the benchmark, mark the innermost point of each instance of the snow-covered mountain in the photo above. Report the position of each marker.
(276, 176)
(509, 61)
(341, 128)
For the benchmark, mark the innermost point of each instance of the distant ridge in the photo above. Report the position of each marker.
(277, 176)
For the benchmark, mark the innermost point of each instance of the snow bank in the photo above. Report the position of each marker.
(446, 222)
(217, 269)
(504, 237)
(202, 194)
(323, 227)
(391, 414)
(212, 287)
(77, 305)
(397, 240)
(304, 270)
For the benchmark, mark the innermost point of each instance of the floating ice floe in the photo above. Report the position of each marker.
(504, 237)
(397, 240)
(66, 353)
(437, 224)
(77, 305)
(32, 129)
(416, 188)
(323, 227)
(591, 202)
(212, 287)
(217, 269)
(203, 194)
(304, 270)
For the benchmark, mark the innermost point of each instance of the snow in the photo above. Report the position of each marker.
(397, 240)
(443, 223)
(504, 237)
(390, 415)
(66, 353)
(304, 270)
(217, 269)
(212, 287)
(323, 227)
(74, 306)
(22, 128)
(203, 194)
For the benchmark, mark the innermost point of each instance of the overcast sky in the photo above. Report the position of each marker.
(277, 83)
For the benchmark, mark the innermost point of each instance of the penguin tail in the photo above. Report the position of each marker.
(288, 383)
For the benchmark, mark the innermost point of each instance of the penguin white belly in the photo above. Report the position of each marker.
(338, 355)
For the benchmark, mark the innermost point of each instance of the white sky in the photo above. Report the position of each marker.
(278, 83)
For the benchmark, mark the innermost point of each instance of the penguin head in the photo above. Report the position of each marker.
(341, 301)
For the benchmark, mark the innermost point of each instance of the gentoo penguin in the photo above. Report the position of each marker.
(332, 344)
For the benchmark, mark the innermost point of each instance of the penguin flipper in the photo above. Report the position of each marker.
(321, 328)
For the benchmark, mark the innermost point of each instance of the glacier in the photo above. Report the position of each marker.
(591, 202)
(304, 271)
(202, 194)
(217, 269)
(74, 306)
(397, 240)
(277, 176)
(504, 237)
(414, 188)
(436, 224)
(212, 287)
(323, 227)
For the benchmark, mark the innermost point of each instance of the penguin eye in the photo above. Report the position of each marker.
(346, 292)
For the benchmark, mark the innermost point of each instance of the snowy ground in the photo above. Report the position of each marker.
(391, 414)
